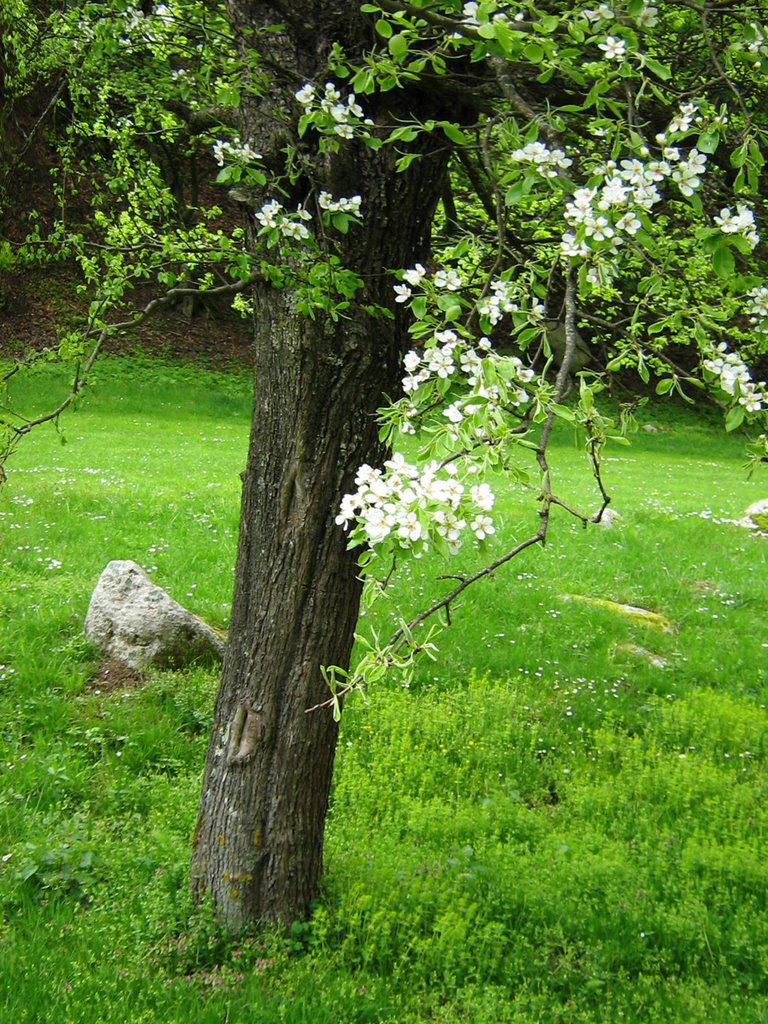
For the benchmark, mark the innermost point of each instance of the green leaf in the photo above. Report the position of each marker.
(660, 70)
(665, 386)
(398, 46)
(454, 133)
(404, 134)
(450, 305)
(383, 28)
(517, 192)
(723, 262)
(563, 412)
(734, 417)
(548, 23)
(419, 306)
(534, 53)
(404, 162)
(739, 156)
(363, 82)
(708, 142)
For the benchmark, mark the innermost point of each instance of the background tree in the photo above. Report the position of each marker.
(532, 175)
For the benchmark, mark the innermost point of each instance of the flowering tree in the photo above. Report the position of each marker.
(482, 210)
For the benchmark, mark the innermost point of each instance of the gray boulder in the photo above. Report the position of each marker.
(132, 619)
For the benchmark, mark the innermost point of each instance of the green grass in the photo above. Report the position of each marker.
(544, 827)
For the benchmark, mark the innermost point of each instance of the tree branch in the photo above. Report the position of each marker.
(81, 375)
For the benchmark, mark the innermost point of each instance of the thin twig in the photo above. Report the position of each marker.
(81, 376)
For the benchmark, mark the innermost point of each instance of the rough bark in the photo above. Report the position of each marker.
(259, 838)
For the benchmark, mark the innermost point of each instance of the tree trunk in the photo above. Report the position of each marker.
(318, 382)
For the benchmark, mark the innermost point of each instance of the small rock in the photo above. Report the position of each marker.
(133, 620)
(655, 660)
(651, 428)
(608, 518)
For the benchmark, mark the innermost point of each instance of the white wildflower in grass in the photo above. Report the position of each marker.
(614, 49)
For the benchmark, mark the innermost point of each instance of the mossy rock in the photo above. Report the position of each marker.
(757, 513)
(630, 611)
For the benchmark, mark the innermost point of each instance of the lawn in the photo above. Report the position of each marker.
(561, 819)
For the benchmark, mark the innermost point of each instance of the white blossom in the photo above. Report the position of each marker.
(740, 223)
(414, 276)
(483, 497)
(234, 152)
(614, 49)
(648, 17)
(268, 215)
(306, 94)
(293, 229)
(482, 527)
(447, 279)
(411, 361)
